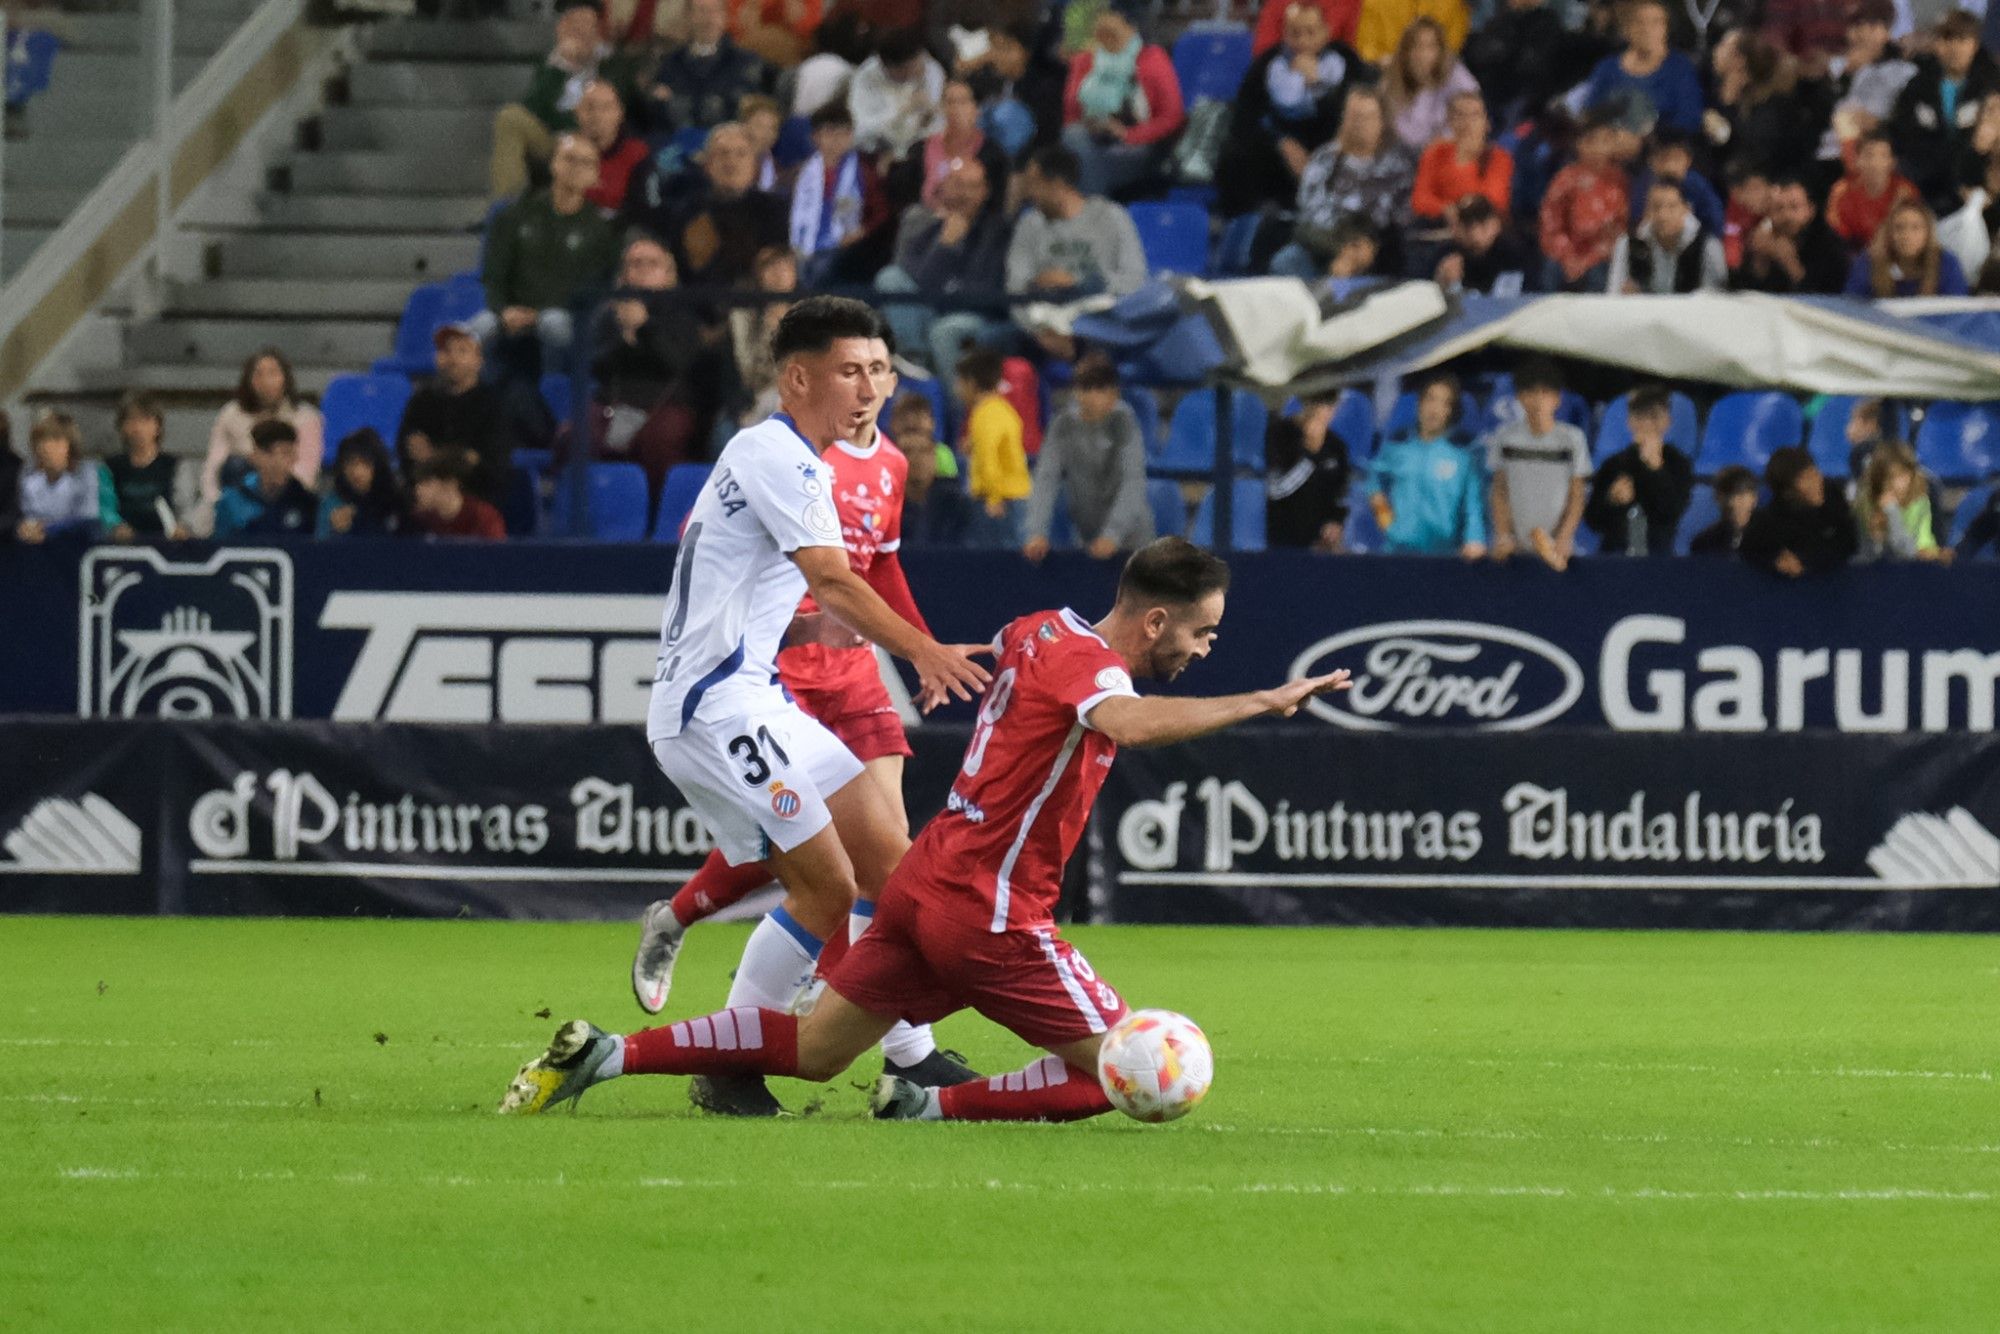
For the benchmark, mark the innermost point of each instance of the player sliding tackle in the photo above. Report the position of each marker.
(772, 783)
(967, 919)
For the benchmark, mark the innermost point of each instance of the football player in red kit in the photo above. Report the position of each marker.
(967, 918)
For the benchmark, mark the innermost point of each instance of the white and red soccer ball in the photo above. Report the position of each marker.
(1155, 1065)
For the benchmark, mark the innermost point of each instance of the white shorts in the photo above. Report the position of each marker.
(760, 778)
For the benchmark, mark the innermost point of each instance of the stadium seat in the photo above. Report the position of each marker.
(677, 497)
(1246, 517)
(557, 397)
(1362, 534)
(430, 307)
(1169, 507)
(521, 507)
(534, 460)
(1960, 442)
(1702, 512)
(1970, 508)
(354, 401)
(1210, 60)
(615, 503)
(1174, 236)
(1235, 254)
(1744, 429)
(1828, 439)
(30, 60)
(1062, 529)
(1190, 445)
(1502, 407)
(1403, 416)
(1354, 423)
(1615, 432)
(1146, 408)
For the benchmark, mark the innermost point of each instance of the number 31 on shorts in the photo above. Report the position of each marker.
(748, 753)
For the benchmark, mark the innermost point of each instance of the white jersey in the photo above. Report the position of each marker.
(735, 587)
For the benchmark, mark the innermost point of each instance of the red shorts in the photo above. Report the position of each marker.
(921, 963)
(861, 716)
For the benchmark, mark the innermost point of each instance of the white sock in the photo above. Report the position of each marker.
(860, 919)
(777, 964)
(933, 1109)
(613, 1065)
(906, 1043)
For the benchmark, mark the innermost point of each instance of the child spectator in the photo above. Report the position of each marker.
(1648, 83)
(838, 199)
(444, 509)
(1861, 200)
(1483, 256)
(1905, 259)
(1354, 254)
(1305, 487)
(1094, 463)
(1462, 164)
(1864, 435)
(933, 493)
(1642, 491)
(1669, 252)
(58, 494)
(1735, 490)
(455, 409)
(1584, 211)
(364, 500)
(265, 391)
(1362, 172)
(1669, 157)
(996, 461)
(1420, 82)
(1540, 467)
(1807, 527)
(138, 491)
(1425, 490)
(1893, 514)
(1122, 105)
(269, 501)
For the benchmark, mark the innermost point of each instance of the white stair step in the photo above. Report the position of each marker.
(374, 212)
(202, 342)
(440, 129)
(416, 256)
(403, 82)
(348, 298)
(209, 382)
(194, 34)
(488, 39)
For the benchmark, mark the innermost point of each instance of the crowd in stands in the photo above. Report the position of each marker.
(672, 174)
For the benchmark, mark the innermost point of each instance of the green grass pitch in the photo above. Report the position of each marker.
(269, 1125)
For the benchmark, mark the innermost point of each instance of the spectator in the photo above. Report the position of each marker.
(364, 500)
(639, 25)
(1758, 115)
(543, 254)
(699, 85)
(1860, 201)
(1735, 490)
(1806, 528)
(1305, 485)
(1288, 104)
(838, 199)
(779, 31)
(265, 391)
(959, 141)
(1893, 521)
(443, 508)
(1583, 214)
(1648, 81)
(1420, 82)
(1020, 89)
(524, 132)
(1121, 106)
(1520, 57)
(58, 495)
(1364, 172)
(844, 41)
(269, 501)
(1642, 491)
(1864, 435)
(934, 509)
(998, 465)
(1540, 469)
(600, 119)
(1383, 22)
(1462, 164)
(1094, 464)
(455, 409)
(1905, 259)
(717, 228)
(1338, 18)
(1669, 252)
(895, 96)
(959, 247)
(138, 489)
(750, 330)
(1792, 250)
(1483, 256)
(1669, 157)
(1354, 255)
(1865, 79)
(1424, 489)
(1069, 244)
(1749, 204)
(1808, 30)
(10, 480)
(649, 348)
(763, 120)
(1937, 109)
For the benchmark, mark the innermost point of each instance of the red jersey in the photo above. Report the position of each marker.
(868, 496)
(1031, 772)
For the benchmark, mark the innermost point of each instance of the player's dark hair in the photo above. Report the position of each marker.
(1537, 373)
(1171, 571)
(266, 435)
(818, 322)
(1649, 401)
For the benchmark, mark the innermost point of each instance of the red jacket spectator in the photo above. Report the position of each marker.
(1342, 18)
(1583, 215)
(475, 518)
(1157, 82)
(614, 172)
(1856, 215)
(1443, 179)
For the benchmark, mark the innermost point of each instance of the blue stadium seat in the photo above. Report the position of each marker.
(615, 503)
(1502, 408)
(1210, 59)
(1828, 440)
(557, 397)
(354, 401)
(1169, 506)
(1354, 423)
(1246, 517)
(1235, 253)
(1062, 528)
(1702, 512)
(677, 497)
(534, 460)
(1960, 442)
(1970, 508)
(1403, 416)
(1615, 432)
(521, 507)
(30, 59)
(1146, 407)
(1174, 236)
(1744, 429)
(1362, 534)
(430, 307)
(1190, 445)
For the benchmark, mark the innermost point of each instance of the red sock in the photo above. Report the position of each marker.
(742, 1041)
(1048, 1090)
(718, 885)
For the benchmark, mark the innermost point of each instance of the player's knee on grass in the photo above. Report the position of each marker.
(833, 1033)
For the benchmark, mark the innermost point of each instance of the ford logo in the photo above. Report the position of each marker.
(1443, 674)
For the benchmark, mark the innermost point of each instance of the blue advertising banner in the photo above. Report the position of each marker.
(384, 631)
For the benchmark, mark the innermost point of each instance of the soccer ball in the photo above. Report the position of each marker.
(1155, 1065)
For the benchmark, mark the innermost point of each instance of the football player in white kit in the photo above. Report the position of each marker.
(771, 782)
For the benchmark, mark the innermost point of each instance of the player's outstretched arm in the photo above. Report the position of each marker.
(941, 668)
(1162, 720)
